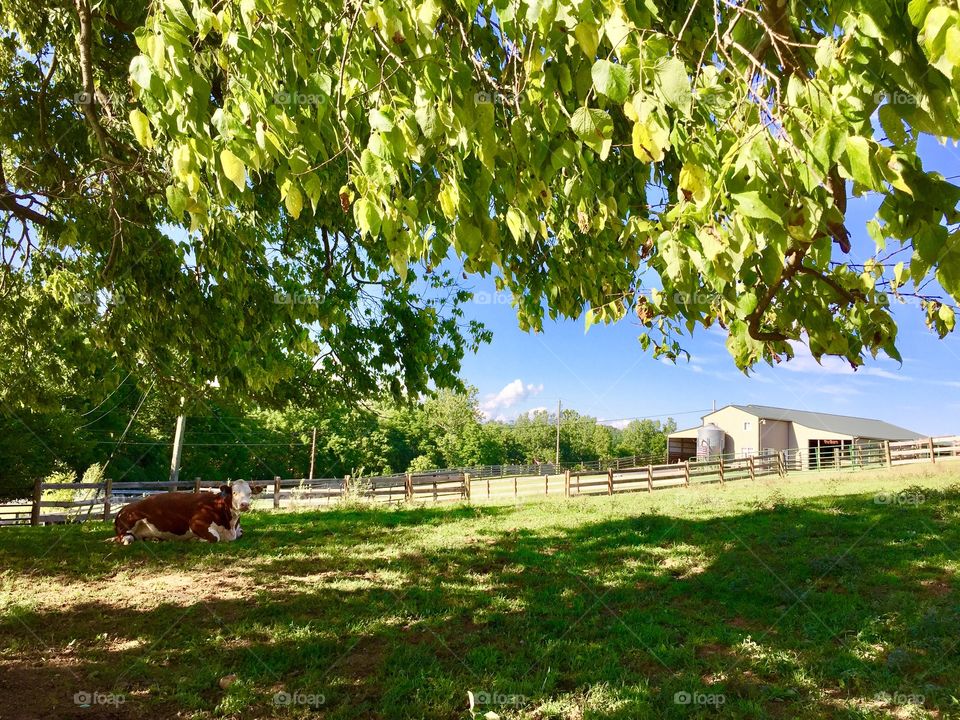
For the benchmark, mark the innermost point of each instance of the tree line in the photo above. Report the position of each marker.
(232, 441)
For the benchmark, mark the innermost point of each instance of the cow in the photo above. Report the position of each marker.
(214, 517)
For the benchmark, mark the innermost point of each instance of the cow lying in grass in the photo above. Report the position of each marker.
(214, 517)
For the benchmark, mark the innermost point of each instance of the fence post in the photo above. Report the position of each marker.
(781, 464)
(466, 485)
(933, 455)
(546, 484)
(488, 487)
(515, 493)
(276, 492)
(408, 486)
(434, 488)
(886, 453)
(610, 481)
(37, 494)
(566, 483)
(721, 469)
(107, 492)
(753, 470)
(649, 478)
(196, 485)
(686, 472)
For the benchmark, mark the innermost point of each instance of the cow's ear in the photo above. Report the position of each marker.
(226, 490)
(257, 489)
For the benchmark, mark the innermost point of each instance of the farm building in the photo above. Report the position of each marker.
(745, 430)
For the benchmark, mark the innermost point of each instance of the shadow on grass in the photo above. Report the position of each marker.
(80, 551)
(794, 610)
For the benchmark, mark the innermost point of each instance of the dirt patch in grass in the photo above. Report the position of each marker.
(55, 688)
(135, 590)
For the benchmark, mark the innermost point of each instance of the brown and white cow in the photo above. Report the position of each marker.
(214, 517)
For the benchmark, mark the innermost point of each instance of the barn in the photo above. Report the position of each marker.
(745, 430)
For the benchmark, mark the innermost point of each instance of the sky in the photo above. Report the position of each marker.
(604, 372)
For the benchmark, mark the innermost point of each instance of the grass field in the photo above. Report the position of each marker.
(800, 598)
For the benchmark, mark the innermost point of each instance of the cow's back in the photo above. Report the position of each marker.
(167, 512)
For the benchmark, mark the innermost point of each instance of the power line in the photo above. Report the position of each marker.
(238, 444)
(654, 417)
(108, 396)
(115, 407)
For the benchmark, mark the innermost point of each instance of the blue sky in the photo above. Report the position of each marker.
(604, 372)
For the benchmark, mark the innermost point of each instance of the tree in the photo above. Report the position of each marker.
(572, 147)
(646, 438)
(95, 234)
(255, 189)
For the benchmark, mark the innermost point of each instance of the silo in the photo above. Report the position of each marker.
(710, 441)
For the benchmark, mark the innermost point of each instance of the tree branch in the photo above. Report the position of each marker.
(21, 212)
(88, 98)
(794, 264)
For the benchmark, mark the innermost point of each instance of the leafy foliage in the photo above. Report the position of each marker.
(269, 194)
(100, 268)
(689, 161)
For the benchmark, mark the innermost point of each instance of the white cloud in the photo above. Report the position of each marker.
(509, 395)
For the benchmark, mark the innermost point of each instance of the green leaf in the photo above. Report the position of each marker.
(469, 239)
(176, 200)
(427, 119)
(752, 204)
(140, 71)
(595, 128)
(646, 145)
(899, 274)
(617, 29)
(946, 315)
(589, 320)
(293, 201)
(515, 224)
(611, 79)
(827, 146)
(858, 164)
(948, 267)
(693, 184)
(367, 216)
(746, 303)
(400, 260)
(934, 27)
(233, 168)
(917, 10)
(673, 84)
(952, 46)
(313, 187)
(892, 124)
(141, 128)
(588, 38)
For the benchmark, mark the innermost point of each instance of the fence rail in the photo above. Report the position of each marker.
(77, 502)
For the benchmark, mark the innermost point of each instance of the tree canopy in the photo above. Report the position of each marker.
(689, 163)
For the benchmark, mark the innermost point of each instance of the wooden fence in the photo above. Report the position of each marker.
(54, 503)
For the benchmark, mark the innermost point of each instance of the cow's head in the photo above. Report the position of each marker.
(241, 493)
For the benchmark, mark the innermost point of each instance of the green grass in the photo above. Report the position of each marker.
(797, 598)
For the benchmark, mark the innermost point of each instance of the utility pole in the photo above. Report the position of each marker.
(557, 463)
(177, 445)
(313, 451)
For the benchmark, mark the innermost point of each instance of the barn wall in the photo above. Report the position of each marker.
(775, 435)
(742, 429)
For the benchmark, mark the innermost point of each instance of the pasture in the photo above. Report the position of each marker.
(814, 596)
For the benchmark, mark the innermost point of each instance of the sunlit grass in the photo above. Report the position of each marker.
(810, 597)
